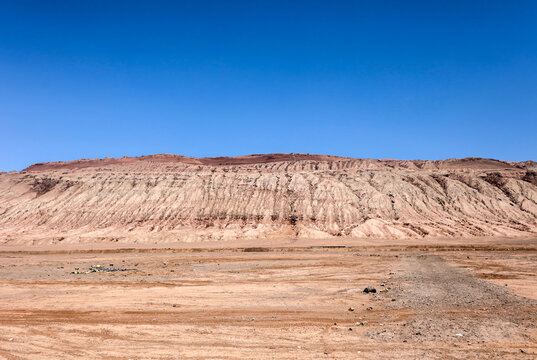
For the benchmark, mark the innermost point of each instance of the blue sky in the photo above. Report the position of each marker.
(376, 79)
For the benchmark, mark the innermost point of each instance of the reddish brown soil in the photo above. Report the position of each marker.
(272, 302)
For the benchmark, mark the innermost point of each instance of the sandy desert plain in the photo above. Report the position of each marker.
(268, 258)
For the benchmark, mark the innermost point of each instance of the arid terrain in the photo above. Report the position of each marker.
(268, 257)
(171, 198)
(455, 301)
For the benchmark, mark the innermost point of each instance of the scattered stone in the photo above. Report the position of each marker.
(369, 308)
(350, 329)
(174, 305)
(418, 332)
(370, 289)
(459, 335)
(100, 268)
(351, 309)
(10, 339)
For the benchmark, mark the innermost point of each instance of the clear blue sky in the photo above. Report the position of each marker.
(378, 79)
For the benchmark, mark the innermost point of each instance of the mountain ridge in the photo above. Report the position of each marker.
(168, 198)
(259, 159)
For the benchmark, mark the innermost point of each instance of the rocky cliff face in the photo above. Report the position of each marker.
(173, 198)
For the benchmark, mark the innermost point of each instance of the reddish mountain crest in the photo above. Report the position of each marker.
(165, 158)
(164, 198)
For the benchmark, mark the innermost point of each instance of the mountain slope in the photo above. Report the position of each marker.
(175, 198)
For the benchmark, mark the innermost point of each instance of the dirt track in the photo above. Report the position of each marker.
(276, 304)
(478, 311)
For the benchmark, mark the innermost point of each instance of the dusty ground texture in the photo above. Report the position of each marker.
(434, 302)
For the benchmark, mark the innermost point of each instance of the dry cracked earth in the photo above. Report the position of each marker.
(432, 301)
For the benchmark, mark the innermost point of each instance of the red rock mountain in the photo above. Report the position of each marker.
(169, 198)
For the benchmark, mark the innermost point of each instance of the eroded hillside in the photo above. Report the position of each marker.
(169, 198)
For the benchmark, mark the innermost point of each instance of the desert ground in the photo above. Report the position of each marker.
(435, 299)
(267, 257)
